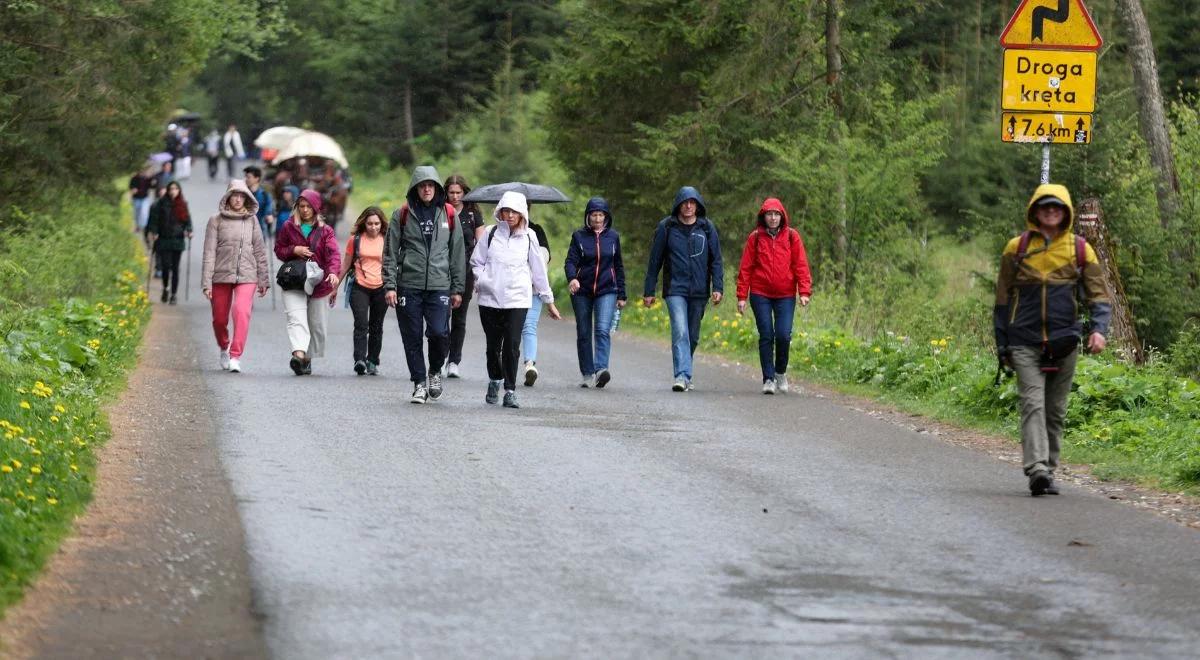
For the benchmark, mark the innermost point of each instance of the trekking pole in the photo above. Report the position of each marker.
(187, 254)
(271, 267)
(149, 268)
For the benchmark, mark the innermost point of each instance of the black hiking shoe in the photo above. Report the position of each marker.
(308, 367)
(173, 300)
(164, 296)
(1038, 483)
(297, 365)
(435, 386)
(372, 368)
(510, 399)
(493, 392)
(1052, 488)
(360, 367)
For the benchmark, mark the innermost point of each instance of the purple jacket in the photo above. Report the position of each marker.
(322, 241)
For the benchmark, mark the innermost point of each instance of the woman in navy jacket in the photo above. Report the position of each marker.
(596, 280)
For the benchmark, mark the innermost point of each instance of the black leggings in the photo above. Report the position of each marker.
(369, 308)
(458, 321)
(502, 329)
(168, 260)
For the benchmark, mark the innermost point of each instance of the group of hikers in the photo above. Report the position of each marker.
(436, 252)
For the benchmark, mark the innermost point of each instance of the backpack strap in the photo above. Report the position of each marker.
(491, 233)
(1023, 247)
(450, 214)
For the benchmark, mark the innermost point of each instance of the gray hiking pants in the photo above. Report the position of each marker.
(1043, 406)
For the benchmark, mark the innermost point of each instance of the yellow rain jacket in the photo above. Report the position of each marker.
(1036, 301)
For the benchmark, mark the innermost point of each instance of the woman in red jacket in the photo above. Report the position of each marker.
(773, 273)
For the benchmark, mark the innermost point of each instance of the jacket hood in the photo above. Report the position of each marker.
(421, 174)
(773, 204)
(597, 204)
(314, 200)
(238, 186)
(685, 193)
(1059, 192)
(295, 192)
(515, 201)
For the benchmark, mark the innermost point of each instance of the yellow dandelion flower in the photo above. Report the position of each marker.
(16, 464)
(51, 501)
(74, 468)
(837, 344)
(25, 405)
(35, 470)
(724, 344)
(878, 350)
(54, 418)
(58, 408)
(5, 469)
(933, 342)
(943, 343)
(36, 452)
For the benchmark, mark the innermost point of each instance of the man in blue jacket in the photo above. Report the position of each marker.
(688, 251)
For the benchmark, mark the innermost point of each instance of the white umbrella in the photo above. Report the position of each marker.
(277, 137)
(312, 143)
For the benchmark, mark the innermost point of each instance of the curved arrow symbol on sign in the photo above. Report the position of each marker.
(1043, 14)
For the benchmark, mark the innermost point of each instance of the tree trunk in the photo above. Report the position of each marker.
(833, 72)
(1123, 329)
(410, 138)
(1152, 119)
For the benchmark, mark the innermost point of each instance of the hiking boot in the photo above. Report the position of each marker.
(1052, 488)
(164, 296)
(1038, 482)
(173, 300)
(452, 370)
(435, 386)
(768, 386)
(372, 368)
(588, 381)
(360, 367)
(679, 385)
(225, 360)
(602, 378)
(781, 383)
(307, 366)
(510, 399)
(493, 392)
(531, 374)
(235, 366)
(296, 364)
(420, 393)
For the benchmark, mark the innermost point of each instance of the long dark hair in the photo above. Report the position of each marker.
(360, 225)
(179, 207)
(458, 180)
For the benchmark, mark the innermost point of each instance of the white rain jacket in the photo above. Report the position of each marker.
(508, 266)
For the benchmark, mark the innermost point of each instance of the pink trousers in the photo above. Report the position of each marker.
(239, 297)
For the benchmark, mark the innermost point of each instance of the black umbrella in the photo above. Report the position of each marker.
(534, 193)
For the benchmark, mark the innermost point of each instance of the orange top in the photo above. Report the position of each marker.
(368, 270)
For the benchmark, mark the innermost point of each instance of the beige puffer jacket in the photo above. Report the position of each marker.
(233, 244)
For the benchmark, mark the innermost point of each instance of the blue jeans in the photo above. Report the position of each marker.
(774, 318)
(593, 315)
(686, 314)
(141, 212)
(529, 331)
(418, 310)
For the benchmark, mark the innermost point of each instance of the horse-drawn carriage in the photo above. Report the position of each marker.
(307, 160)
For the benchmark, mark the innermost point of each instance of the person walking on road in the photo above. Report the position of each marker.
(140, 185)
(469, 217)
(595, 272)
(287, 202)
(509, 271)
(687, 250)
(169, 230)
(1038, 329)
(232, 148)
(266, 205)
(212, 151)
(773, 273)
(423, 275)
(235, 264)
(307, 236)
(363, 264)
(529, 343)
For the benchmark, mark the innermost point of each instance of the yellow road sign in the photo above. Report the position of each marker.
(1049, 81)
(1046, 127)
(1052, 24)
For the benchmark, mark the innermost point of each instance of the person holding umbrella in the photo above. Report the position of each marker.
(508, 271)
(169, 230)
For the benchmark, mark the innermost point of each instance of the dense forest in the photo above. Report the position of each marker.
(877, 123)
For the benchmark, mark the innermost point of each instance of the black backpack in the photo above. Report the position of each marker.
(292, 275)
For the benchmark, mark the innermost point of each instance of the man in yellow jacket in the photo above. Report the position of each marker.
(1043, 272)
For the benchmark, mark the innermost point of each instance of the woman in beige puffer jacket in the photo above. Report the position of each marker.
(235, 264)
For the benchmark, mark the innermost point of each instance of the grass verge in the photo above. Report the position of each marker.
(72, 317)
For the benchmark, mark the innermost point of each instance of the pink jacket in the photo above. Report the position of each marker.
(322, 241)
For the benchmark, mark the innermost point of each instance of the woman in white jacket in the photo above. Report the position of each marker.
(508, 270)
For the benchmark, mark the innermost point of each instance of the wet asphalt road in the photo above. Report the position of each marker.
(636, 522)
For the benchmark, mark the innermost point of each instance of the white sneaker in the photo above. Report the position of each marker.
(781, 383)
(768, 387)
(452, 370)
(586, 382)
(680, 385)
(235, 365)
(225, 360)
(531, 374)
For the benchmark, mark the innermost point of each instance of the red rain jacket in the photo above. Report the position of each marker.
(775, 267)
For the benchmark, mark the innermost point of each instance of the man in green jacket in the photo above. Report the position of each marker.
(424, 265)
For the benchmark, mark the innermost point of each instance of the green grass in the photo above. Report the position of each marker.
(72, 319)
